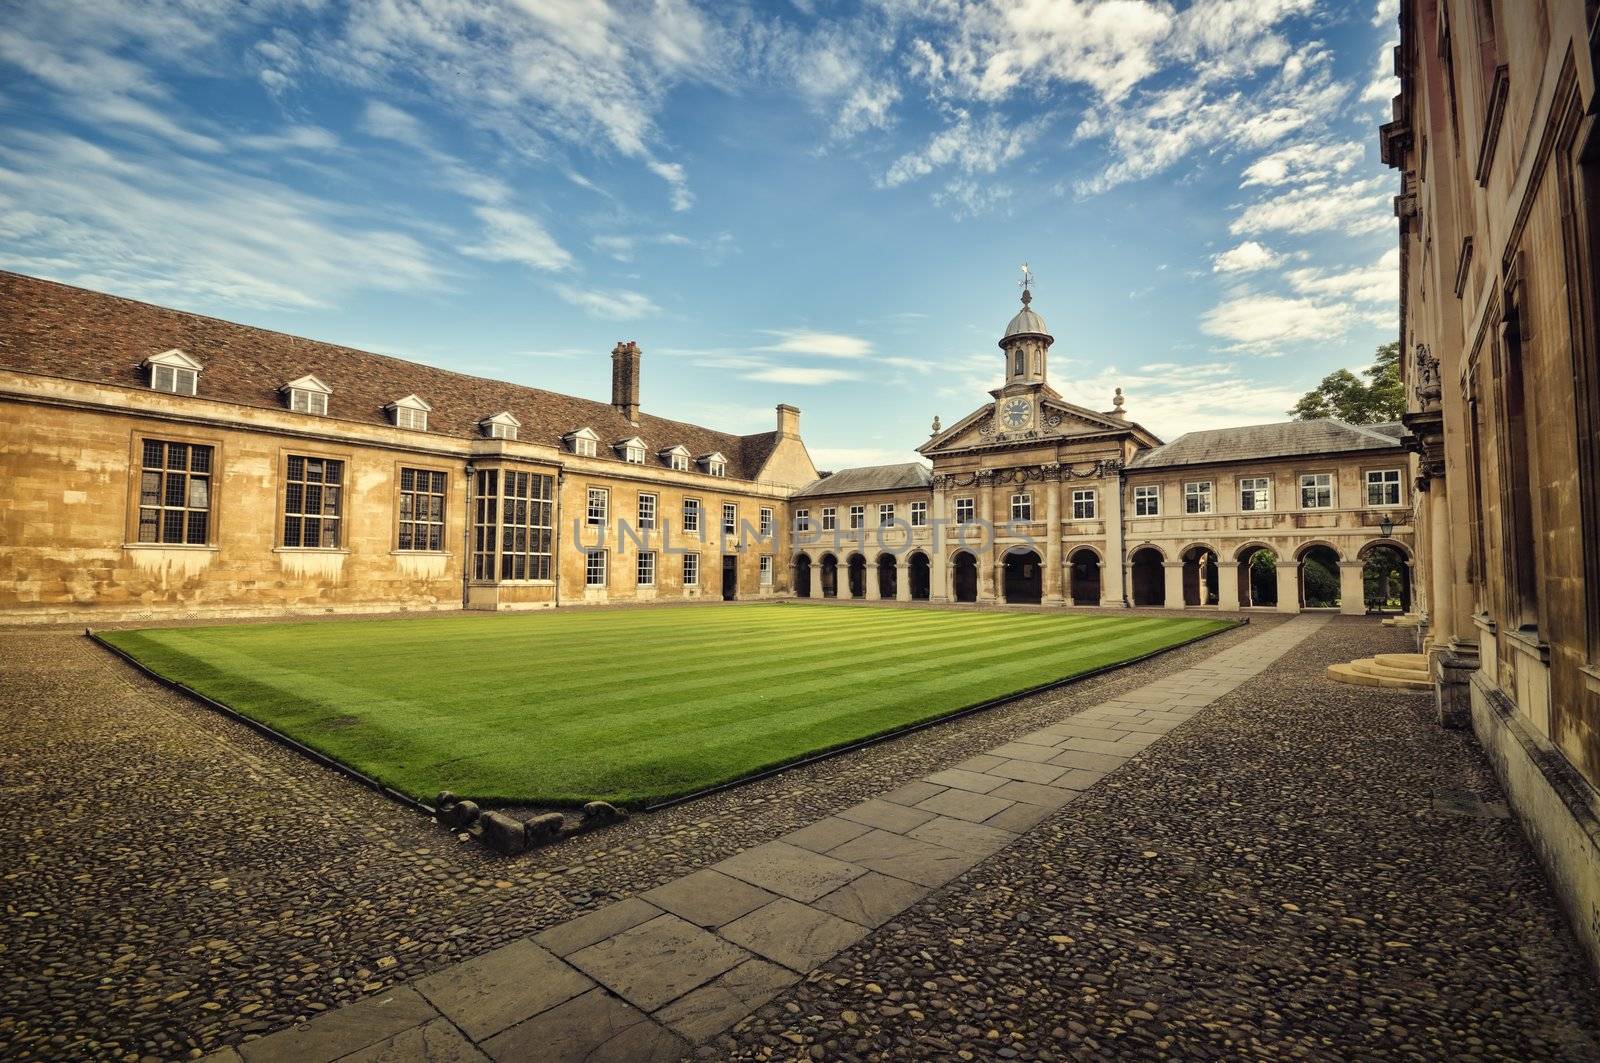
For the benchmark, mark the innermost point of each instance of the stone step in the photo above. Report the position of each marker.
(1372, 667)
(1400, 621)
(1417, 662)
(1344, 673)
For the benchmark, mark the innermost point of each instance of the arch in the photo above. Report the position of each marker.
(830, 576)
(1318, 569)
(964, 576)
(1314, 544)
(1251, 547)
(888, 577)
(856, 569)
(802, 575)
(1083, 566)
(1385, 577)
(1258, 575)
(1199, 575)
(1024, 576)
(920, 576)
(1149, 577)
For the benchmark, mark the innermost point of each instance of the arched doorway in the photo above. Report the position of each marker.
(1024, 578)
(830, 576)
(1258, 577)
(964, 577)
(888, 577)
(1085, 569)
(1149, 581)
(1319, 577)
(1199, 576)
(858, 576)
(802, 576)
(1386, 578)
(921, 582)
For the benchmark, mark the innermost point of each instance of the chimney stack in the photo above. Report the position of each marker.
(625, 357)
(788, 421)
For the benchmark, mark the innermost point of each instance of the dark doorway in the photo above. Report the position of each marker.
(888, 577)
(802, 576)
(830, 576)
(964, 577)
(1024, 578)
(1319, 578)
(1199, 576)
(1085, 578)
(920, 581)
(1149, 581)
(1386, 579)
(858, 576)
(730, 577)
(1258, 578)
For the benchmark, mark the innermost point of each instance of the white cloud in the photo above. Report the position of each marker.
(291, 138)
(835, 458)
(1246, 258)
(511, 236)
(825, 344)
(1171, 399)
(969, 199)
(795, 374)
(1257, 322)
(1303, 162)
(1377, 283)
(614, 305)
(1353, 208)
(1384, 86)
(981, 146)
(677, 180)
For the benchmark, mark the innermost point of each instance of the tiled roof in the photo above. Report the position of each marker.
(911, 474)
(58, 330)
(1259, 441)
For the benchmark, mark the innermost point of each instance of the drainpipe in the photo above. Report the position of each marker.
(555, 535)
(466, 538)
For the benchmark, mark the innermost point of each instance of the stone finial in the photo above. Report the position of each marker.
(1116, 403)
(936, 428)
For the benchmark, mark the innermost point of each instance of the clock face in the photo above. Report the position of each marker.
(1017, 413)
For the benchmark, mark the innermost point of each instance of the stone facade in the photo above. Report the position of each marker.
(1494, 134)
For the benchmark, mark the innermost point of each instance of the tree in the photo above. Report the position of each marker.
(1342, 394)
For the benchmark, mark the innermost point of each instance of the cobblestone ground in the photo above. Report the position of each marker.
(1306, 870)
(173, 882)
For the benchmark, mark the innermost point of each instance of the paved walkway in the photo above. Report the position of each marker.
(649, 977)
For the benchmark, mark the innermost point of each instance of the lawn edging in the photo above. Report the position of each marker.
(267, 731)
(900, 732)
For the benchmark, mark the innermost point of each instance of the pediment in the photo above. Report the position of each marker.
(1058, 420)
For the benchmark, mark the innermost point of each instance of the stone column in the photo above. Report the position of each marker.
(986, 571)
(902, 578)
(873, 593)
(1174, 574)
(939, 549)
(1288, 587)
(1441, 588)
(1113, 585)
(1352, 589)
(1227, 585)
(1052, 541)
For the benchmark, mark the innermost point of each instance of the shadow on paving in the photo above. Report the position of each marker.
(1305, 870)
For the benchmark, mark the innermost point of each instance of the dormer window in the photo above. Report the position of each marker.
(676, 458)
(411, 412)
(174, 372)
(501, 426)
(632, 450)
(583, 442)
(715, 464)
(308, 395)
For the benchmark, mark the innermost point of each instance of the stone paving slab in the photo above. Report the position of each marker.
(690, 958)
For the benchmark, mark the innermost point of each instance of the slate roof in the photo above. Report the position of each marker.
(58, 330)
(869, 478)
(1256, 442)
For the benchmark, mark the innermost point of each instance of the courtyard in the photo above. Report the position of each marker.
(1289, 868)
(529, 709)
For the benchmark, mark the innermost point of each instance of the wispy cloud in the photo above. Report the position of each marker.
(825, 344)
(609, 305)
(1352, 208)
(799, 374)
(1263, 323)
(1246, 258)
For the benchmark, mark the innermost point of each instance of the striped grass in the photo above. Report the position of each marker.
(627, 705)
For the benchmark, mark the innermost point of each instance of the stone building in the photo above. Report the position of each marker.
(1033, 499)
(160, 462)
(1495, 137)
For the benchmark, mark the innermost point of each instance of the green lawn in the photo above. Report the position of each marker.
(627, 706)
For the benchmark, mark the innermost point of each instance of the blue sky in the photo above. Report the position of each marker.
(803, 201)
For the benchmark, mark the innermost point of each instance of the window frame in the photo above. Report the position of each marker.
(1333, 497)
(1261, 490)
(856, 517)
(830, 518)
(584, 447)
(136, 490)
(970, 506)
(1147, 496)
(887, 511)
(691, 570)
(1398, 483)
(590, 568)
(692, 512)
(644, 564)
(648, 520)
(401, 520)
(1022, 507)
(633, 453)
(177, 373)
(1085, 503)
(411, 419)
(596, 517)
(316, 402)
(530, 502)
(288, 481)
(730, 518)
(764, 520)
(765, 570)
(919, 514)
(1198, 500)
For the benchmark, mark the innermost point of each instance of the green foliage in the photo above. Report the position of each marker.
(1322, 583)
(1342, 394)
(1264, 578)
(628, 705)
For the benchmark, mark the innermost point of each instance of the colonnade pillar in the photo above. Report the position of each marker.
(1174, 592)
(1288, 587)
(1052, 543)
(1227, 585)
(1352, 588)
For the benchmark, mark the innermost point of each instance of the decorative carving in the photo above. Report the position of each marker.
(1429, 387)
(936, 428)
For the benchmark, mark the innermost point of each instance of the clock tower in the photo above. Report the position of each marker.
(1026, 344)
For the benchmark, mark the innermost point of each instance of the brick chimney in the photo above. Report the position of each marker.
(788, 421)
(625, 357)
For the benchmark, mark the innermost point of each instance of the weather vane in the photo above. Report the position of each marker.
(1026, 284)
